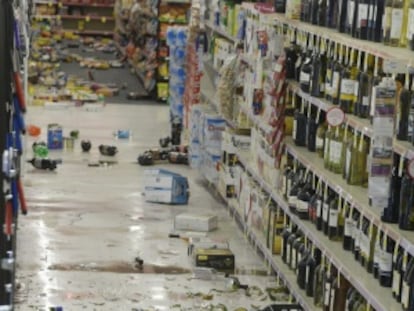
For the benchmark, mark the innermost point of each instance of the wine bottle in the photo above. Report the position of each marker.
(312, 262)
(342, 17)
(349, 85)
(299, 126)
(318, 75)
(314, 12)
(304, 196)
(390, 213)
(371, 19)
(387, 22)
(322, 12)
(377, 254)
(326, 148)
(396, 272)
(365, 78)
(358, 174)
(348, 227)
(372, 236)
(357, 241)
(332, 13)
(320, 138)
(386, 261)
(289, 245)
(406, 201)
(346, 142)
(295, 245)
(328, 283)
(410, 26)
(378, 31)
(361, 31)
(403, 106)
(305, 10)
(297, 185)
(335, 151)
(351, 18)
(285, 235)
(301, 269)
(397, 17)
(332, 51)
(408, 282)
(319, 205)
(284, 183)
(292, 56)
(333, 218)
(318, 284)
(336, 75)
(328, 198)
(405, 5)
(306, 70)
(311, 129)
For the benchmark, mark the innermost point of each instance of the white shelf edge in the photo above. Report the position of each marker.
(379, 303)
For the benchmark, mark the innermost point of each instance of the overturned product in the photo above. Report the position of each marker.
(44, 164)
(107, 150)
(86, 145)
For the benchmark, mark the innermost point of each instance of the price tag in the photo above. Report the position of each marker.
(394, 66)
(410, 168)
(335, 116)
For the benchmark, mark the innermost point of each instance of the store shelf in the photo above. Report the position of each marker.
(220, 31)
(90, 32)
(355, 195)
(93, 5)
(283, 272)
(378, 297)
(103, 19)
(394, 54)
(363, 125)
(173, 21)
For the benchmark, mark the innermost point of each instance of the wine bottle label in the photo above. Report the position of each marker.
(326, 149)
(335, 83)
(385, 261)
(405, 295)
(357, 238)
(351, 8)
(396, 279)
(332, 302)
(396, 23)
(304, 77)
(356, 89)
(348, 227)
(328, 81)
(365, 101)
(362, 15)
(325, 210)
(318, 208)
(335, 152)
(347, 89)
(377, 253)
(387, 18)
(307, 274)
(333, 217)
(410, 27)
(292, 200)
(301, 206)
(319, 143)
(327, 294)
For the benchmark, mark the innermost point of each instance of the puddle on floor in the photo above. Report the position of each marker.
(119, 267)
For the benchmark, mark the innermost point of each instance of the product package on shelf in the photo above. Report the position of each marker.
(381, 155)
(177, 40)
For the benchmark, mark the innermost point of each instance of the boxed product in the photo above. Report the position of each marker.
(163, 186)
(192, 222)
(205, 243)
(221, 260)
(54, 136)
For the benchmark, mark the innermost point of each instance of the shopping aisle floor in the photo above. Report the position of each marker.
(85, 226)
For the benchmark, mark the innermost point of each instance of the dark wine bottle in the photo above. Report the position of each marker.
(349, 83)
(318, 75)
(342, 17)
(301, 269)
(336, 75)
(398, 273)
(304, 196)
(299, 126)
(312, 262)
(333, 218)
(378, 25)
(403, 107)
(362, 19)
(406, 203)
(348, 227)
(285, 235)
(322, 12)
(365, 77)
(408, 282)
(390, 213)
(332, 13)
(306, 71)
(329, 70)
(314, 12)
(386, 261)
(328, 197)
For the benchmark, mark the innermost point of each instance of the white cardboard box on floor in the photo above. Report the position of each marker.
(192, 222)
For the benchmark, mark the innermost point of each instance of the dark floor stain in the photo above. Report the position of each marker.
(119, 267)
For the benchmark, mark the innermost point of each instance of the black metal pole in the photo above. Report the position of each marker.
(6, 44)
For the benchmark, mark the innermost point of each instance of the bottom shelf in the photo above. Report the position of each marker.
(91, 32)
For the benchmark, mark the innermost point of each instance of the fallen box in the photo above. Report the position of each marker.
(162, 186)
(206, 243)
(191, 222)
(221, 260)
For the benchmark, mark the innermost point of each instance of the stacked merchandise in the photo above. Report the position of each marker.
(206, 128)
(176, 40)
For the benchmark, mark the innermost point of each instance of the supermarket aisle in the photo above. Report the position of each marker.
(76, 248)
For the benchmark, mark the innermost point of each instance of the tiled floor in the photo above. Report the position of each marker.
(76, 248)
